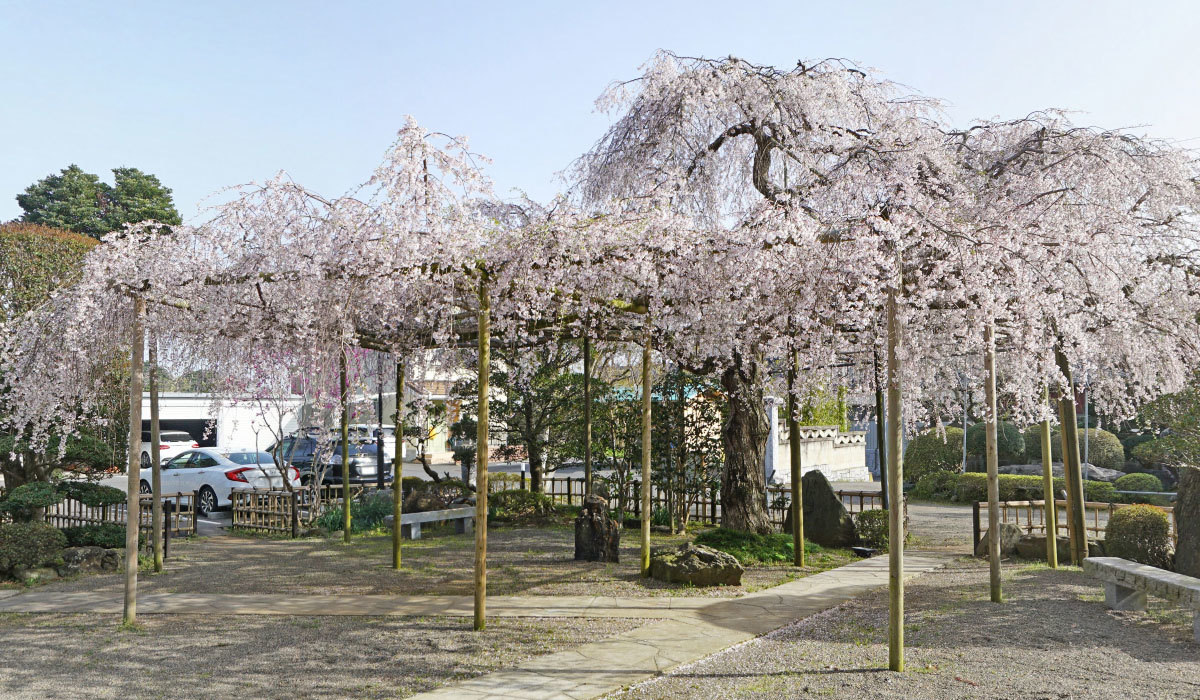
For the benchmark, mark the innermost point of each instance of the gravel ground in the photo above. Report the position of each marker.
(1053, 638)
(172, 656)
(521, 561)
(940, 527)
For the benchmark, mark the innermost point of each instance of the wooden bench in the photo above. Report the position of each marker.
(464, 520)
(1127, 583)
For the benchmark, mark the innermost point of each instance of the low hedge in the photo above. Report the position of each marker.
(1104, 448)
(1139, 482)
(29, 545)
(515, 504)
(936, 486)
(23, 502)
(972, 487)
(107, 535)
(1139, 533)
(91, 495)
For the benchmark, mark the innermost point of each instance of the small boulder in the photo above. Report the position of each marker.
(30, 577)
(1010, 535)
(89, 560)
(695, 564)
(1033, 547)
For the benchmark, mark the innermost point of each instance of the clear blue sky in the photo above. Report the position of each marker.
(210, 94)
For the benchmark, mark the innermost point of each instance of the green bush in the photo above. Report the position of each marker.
(930, 452)
(515, 504)
(937, 486)
(750, 548)
(366, 514)
(29, 545)
(1104, 448)
(107, 535)
(872, 526)
(661, 517)
(1154, 453)
(23, 502)
(1139, 533)
(432, 495)
(972, 487)
(89, 494)
(1130, 441)
(1010, 443)
(1138, 482)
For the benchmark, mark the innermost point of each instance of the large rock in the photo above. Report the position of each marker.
(87, 560)
(1010, 535)
(1033, 547)
(826, 520)
(1091, 471)
(597, 536)
(695, 564)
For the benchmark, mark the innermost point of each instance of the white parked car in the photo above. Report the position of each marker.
(212, 473)
(170, 444)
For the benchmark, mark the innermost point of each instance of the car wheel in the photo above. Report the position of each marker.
(144, 488)
(146, 464)
(206, 501)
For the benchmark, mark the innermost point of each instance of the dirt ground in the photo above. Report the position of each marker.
(1052, 638)
(521, 561)
(174, 656)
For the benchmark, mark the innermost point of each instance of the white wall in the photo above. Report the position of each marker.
(238, 424)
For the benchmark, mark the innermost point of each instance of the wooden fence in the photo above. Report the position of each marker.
(178, 514)
(282, 511)
(1033, 514)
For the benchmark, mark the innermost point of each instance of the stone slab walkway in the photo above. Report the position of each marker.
(592, 670)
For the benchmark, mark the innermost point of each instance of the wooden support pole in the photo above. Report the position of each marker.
(1050, 516)
(155, 463)
(344, 399)
(481, 458)
(895, 482)
(1072, 472)
(133, 505)
(398, 467)
(793, 423)
(587, 412)
(647, 509)
(993, 462)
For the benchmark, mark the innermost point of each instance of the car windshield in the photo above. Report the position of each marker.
(172, 436)
(356, 448)
(250, 458)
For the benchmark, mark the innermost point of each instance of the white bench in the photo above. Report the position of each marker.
(464, 520)
(1127, 583)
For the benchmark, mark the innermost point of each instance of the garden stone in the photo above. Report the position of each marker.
(31, 576)
(1033, 547)
(597, 536)
(826, 520)
(1010, 535)
(87, 560)
(1094, 473)
(695, 564)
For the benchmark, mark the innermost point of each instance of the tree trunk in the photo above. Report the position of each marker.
(533, 450)
(1050, 510)
(1187, 522)
(133, 483)
(1072, 473)
(646, 425)
(880, 418)
(398, 469)
(587, 413)
(481, 459)
(993, 461)
(744, 437)
(344, 398)
(895, 466)
(155, 465)
(793, 422)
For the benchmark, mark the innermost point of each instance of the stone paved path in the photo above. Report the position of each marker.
(592, 670)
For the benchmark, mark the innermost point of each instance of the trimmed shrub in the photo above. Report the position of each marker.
(515, 504)
(972, 487)
(29, 545)
(107, 535)
(1104, 448)
(1138, 482)
(936, 486)
(1010, 443)
(930, 452)
(23, 502)
(1154, 453)
(1139, 533)
(365, 514)
(92, 495)
(872, 526)
(751, 548)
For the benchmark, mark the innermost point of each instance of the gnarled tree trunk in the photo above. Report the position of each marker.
(744, 437)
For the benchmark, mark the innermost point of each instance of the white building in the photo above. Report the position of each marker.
(224, 423)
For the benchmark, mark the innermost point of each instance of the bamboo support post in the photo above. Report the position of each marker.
(895, 479)
(993, 462)
(398, 468)
(646, 507)
(133, 483)
(481, 459)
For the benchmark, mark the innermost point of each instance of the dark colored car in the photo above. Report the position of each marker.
(307, 453)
